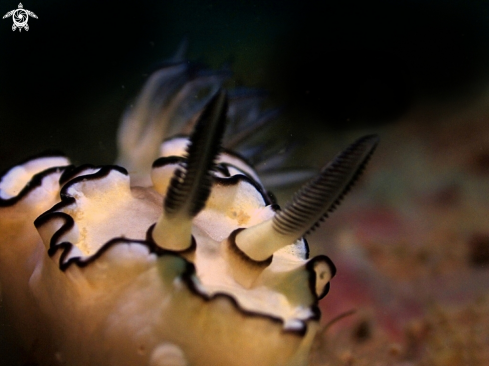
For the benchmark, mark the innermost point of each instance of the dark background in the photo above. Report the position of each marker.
(335, 65)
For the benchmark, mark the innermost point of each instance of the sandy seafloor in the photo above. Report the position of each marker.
(411, 241)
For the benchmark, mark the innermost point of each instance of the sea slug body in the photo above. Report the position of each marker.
(177, 255)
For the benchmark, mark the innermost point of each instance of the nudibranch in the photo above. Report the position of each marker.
(186, 260)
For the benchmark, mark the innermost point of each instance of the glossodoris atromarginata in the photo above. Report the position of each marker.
(183, 261)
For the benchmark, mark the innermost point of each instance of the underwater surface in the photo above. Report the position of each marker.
(410, 242)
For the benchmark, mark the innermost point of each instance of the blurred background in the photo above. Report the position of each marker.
(335, 65)
(411, 242)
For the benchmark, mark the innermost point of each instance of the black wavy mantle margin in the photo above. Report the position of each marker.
(36, 180)
(189, 271)
(227, 180)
